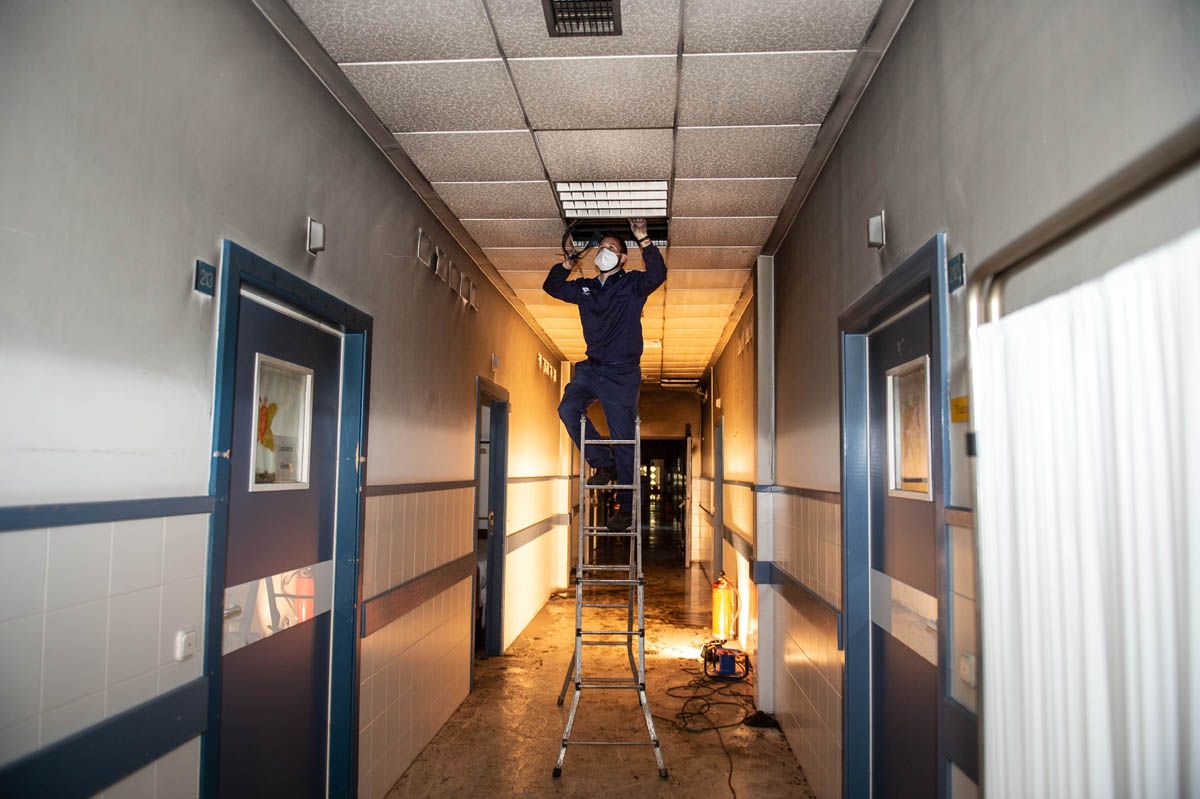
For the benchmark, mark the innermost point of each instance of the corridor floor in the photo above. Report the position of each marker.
(503, 740)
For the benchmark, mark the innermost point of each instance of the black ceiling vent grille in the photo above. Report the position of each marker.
(583, 17)
(586, 231)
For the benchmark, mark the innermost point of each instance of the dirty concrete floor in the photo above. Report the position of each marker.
(504, 739)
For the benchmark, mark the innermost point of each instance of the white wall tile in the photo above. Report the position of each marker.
(20, 668)
(179, 772)
(137, 555)
(130, 693)
(182, 608)
(383, 551)
(78, 564)
(133, 634)
(173, 674)
(19, 739)
(74, 653)
(370, 547)
(72, 717)
(185, 552)
(22, 574)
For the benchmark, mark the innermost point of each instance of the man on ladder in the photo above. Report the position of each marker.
(610, 308)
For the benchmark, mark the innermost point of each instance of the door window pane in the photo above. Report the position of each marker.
(908, 429)
(282, 425)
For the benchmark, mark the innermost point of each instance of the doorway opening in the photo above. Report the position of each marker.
(663, 473)
(491, 481)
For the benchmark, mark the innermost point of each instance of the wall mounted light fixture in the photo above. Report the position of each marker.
(316, 237)
(876, 232)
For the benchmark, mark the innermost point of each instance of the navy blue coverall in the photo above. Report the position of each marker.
(611, 313)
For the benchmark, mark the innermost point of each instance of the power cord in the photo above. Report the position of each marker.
(701, 696)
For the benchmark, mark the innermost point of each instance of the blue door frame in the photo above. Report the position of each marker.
(923, 274)
(239, 267)
(489, 393)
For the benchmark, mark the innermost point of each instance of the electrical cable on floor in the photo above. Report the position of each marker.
(701, 696)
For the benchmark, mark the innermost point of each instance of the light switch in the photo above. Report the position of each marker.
(185, 644)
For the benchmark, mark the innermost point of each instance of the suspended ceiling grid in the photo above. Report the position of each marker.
(493, 110)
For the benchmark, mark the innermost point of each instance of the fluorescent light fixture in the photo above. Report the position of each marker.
(613, 198)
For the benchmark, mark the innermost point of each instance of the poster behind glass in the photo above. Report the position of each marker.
(283, 422)
(908, 429)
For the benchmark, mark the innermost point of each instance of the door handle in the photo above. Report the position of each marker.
(232, 611)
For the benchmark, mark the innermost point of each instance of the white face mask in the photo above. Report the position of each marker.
(606, 260)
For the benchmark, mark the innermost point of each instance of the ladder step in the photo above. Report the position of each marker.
(626, 633)
(607, 567)
(612, 487)
(606, 604)
(605, 643)
(598, 581)
(628, 686)
(610, 743)
(604, 531)
(619, 441)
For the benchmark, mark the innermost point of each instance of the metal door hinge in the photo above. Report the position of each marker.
(219, 454)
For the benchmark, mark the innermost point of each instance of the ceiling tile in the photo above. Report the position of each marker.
(702, 296)
(712, 257)
(720, 312)
(760, 89)
(496, 200)
(537, 260)
(677, 320)
(443, 95)
(719, 26)
(581, 93)
(474, 156)
(514, 232)
(647, 26)
(528, 279)
(553, 309)
(739, 231)
(606, 154)
(398, 30)
(707, 278)
(742, 152)
(730, 197)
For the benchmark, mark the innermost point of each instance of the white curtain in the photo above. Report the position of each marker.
(1087, 412)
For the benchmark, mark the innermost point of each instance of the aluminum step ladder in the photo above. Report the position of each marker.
(593, 577)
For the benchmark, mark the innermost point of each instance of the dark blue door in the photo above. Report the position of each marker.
(903, 554)
(278, 577)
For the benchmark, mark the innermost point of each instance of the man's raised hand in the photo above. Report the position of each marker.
(638, 226)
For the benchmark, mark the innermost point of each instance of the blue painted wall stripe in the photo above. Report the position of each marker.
(382, 609)
(740, 543)
(29, 517)
(415, 488)
(794, 590)
(93, 759)
(535, 531)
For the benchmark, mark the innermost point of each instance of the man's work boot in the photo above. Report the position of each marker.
(619, 520)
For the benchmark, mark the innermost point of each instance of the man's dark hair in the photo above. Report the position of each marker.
(620, 241)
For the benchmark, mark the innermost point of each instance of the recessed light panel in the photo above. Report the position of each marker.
(625, 198)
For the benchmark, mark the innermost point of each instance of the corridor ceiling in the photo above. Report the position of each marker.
(492, 111)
